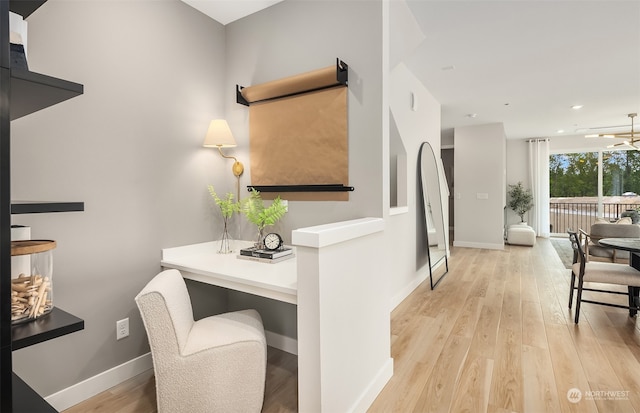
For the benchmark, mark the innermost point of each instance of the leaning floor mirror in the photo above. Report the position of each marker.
(430, 179)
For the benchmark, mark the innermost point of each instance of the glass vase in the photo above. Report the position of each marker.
(226, 242)
(259, 244)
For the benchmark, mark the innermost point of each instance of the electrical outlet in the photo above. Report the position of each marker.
(122, 328)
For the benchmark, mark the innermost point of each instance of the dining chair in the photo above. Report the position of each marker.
(601, 230)
(215, 364)
(603, 273)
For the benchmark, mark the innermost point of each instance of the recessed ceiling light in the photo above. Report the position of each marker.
(560, 131)
(576, 107)
(472, 115)
(450, 67)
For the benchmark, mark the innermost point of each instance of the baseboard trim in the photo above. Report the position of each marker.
(88, 388)
(284, 343)
(375, 387)
(406, 291)
(480, 245)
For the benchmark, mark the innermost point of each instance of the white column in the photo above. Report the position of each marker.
(344, 347)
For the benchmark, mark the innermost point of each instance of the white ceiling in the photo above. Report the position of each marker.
(522, 63)
(227, 11)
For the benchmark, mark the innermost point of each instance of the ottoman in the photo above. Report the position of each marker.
(520, 234)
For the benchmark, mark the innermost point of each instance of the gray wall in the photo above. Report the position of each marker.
(155, 73)
(130, 148)
(293, 37)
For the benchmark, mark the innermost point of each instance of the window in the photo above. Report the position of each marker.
(573, 175)
(620, 173)
(578, 195)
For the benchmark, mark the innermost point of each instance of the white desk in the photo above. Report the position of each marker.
(201, 262)
(342, 306)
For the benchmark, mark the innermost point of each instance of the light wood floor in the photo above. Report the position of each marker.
(496, 335)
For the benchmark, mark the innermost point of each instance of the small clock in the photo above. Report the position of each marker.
(272, 241)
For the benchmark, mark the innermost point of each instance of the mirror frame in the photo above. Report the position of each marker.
(430, 182)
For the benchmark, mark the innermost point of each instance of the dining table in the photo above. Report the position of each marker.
(625, 244)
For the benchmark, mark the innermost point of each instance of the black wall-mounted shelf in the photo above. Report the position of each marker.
(55, 324)
(31, 92)
(25, 7)
(26, 400)
(23, 92)
(35, 207)
(301, 188)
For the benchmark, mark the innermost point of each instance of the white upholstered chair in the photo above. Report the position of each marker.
(216, 364)
(602, 273)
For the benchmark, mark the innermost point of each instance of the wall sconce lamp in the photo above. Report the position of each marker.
(219, 136)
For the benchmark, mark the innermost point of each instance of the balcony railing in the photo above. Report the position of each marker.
(575, 215)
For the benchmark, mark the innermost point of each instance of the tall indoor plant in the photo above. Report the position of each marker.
(520, 200)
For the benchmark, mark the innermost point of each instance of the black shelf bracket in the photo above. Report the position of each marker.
(342, 78)
(301, 188)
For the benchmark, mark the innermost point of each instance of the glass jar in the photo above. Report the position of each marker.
(32, 279)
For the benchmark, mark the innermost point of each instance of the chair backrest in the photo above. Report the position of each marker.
(613, 230)
(578, 252)
(166, 310)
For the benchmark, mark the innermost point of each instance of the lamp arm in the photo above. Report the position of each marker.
(226, 156)
(237, 168)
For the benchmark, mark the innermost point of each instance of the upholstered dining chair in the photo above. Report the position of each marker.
(622, 229)
(603, 273)
(216, 364)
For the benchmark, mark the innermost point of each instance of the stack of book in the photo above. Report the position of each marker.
(253, 253)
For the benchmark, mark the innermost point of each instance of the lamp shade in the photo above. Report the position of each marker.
(219, 135)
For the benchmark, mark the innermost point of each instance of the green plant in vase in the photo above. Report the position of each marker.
(262, 216)
(228, 206)
(520, 200)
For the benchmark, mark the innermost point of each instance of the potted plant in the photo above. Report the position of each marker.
(520, 200)
(227, 207)
(262, 216)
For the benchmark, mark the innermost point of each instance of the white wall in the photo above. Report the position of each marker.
(131, 149)
(517, 171)
(480, 170)
(408, 264)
